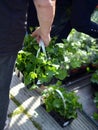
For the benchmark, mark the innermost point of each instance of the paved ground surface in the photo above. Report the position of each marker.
(26, 112)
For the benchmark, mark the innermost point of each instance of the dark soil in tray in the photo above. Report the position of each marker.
(94, 87)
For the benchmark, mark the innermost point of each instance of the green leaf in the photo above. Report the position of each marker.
(34, 86)
(33, 75)
(62, 74)
(95, 116)
(57, 103)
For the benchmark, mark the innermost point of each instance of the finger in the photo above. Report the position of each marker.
(34, 34)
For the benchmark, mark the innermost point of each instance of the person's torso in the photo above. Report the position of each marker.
(12, 23)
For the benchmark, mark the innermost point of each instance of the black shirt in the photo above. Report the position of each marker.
(12, 25)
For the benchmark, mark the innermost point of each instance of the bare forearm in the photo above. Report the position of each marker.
(45, 11)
